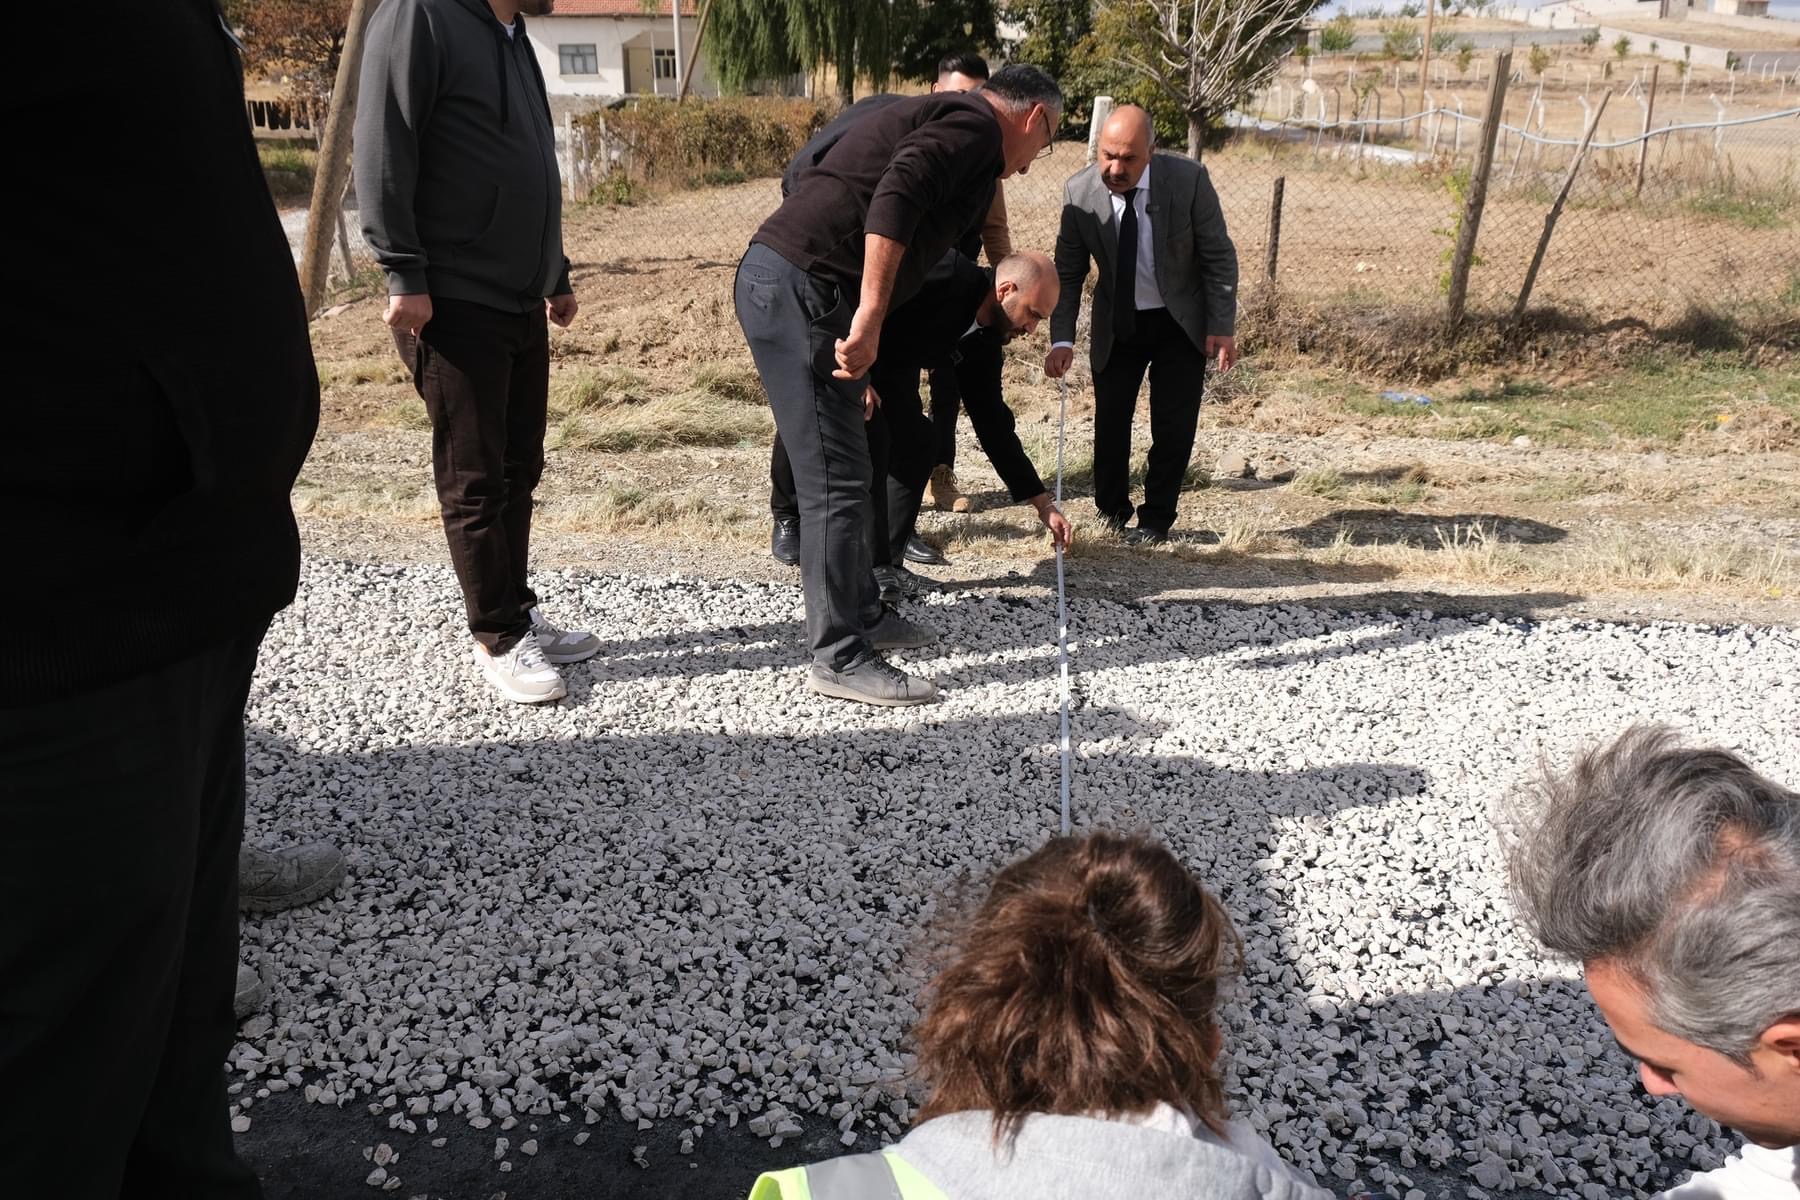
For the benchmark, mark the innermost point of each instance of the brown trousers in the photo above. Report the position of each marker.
(484, 375)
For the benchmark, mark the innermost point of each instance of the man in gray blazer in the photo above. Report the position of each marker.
(1165, 301)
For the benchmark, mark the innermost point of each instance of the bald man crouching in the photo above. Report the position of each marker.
(1165, 301)
(961, 322)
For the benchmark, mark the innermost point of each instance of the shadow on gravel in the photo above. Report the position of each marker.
(961, 796)
(1422, 531)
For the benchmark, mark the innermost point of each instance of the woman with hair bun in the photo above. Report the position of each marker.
(1071, 1048)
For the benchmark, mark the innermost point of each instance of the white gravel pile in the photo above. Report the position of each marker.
(693, 892)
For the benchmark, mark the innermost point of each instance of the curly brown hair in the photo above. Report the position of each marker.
(1087, 982)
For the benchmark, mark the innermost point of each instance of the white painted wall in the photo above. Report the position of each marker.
(613, 38)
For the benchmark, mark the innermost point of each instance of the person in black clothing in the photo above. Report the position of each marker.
(462, 204)
(150, 490)
(962, 72)
(959, 322)
(853, 240)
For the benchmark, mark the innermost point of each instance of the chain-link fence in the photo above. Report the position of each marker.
(1703, 212)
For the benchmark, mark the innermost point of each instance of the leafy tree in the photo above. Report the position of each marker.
(748, 40)
(1203, 56)
(925, 32)
(1441, 41)
(1539, 59)
(1053, 29)
(1465, 55)
(1400, 40)
(296, 41)
(1444, 6)
(1338, 34)
(1303, 52)
(1621, 48)
(1412, 8)
(1590, 39)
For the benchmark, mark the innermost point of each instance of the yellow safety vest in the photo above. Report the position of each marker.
(881, 1176)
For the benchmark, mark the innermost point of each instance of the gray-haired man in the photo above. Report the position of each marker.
(1673, 874)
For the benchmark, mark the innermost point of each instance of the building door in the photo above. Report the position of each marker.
(640, 79)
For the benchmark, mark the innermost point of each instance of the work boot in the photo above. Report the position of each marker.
(895, 632)
(271, 881)
(941, 491)
(921, 551)
(870, 679)
(250, 995)
(1144, 535)
(784, 541)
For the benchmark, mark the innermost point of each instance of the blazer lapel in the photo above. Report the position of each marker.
(1099, 206)
(1162, 213)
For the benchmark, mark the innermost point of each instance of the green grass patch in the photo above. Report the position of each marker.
(288, 167)
(1762, 209)
(1659, 399)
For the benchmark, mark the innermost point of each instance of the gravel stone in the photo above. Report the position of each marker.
(694, 892)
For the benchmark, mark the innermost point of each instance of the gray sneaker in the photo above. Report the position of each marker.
(521, 673)
(271, 881)
(895, 632)
(251, 995)
(871, 679)
(561, 645)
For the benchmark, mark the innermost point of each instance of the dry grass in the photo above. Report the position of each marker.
(613, 409)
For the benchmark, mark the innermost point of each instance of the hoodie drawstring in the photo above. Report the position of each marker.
(501, 42)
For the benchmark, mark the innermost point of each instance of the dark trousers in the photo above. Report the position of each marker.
(1177, 376)
(484, 375)
(946, 402)
(792, 321)
(121, 814)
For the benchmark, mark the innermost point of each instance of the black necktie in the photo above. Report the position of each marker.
(1125, 279)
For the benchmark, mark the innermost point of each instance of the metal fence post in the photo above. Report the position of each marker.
(1470, 225)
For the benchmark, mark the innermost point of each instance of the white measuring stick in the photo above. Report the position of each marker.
(1062, 601)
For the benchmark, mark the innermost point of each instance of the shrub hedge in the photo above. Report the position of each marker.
(694, 142)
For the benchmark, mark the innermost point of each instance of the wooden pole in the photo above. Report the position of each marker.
(1644, 146)
(1477, 197)
(687, 76)
(1425, 51)
(333, 168)
(1562, 196)
(1274, 229)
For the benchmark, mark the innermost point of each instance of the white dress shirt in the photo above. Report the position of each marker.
(1753, 1173)
(1146, 293)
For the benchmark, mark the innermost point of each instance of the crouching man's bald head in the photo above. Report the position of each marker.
(1673, 874)
(1025, 290)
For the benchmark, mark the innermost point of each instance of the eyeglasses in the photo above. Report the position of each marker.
(1049, 136)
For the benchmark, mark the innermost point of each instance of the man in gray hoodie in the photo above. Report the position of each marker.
(457, 178)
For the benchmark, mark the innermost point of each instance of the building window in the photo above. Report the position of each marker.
(665, 64)
(579, 59)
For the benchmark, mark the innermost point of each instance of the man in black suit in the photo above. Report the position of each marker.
(1166, 301)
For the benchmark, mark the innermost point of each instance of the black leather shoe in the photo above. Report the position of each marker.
(784, 542)
(1140, 536)
(921, 551)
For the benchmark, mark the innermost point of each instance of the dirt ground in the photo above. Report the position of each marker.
(1347, 505)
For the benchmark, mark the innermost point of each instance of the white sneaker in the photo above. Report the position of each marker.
(561, 645)
(521, 673)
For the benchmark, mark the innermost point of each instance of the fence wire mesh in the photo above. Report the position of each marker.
(1703, 211)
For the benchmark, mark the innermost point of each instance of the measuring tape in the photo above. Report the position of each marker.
(1062, 599)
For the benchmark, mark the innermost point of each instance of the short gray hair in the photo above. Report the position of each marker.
(1679, 865)
(1018, 86)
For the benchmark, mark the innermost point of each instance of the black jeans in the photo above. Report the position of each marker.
(121, 815)
(484, 375)
(792, 321)
(912, 452)
(1177, 377)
